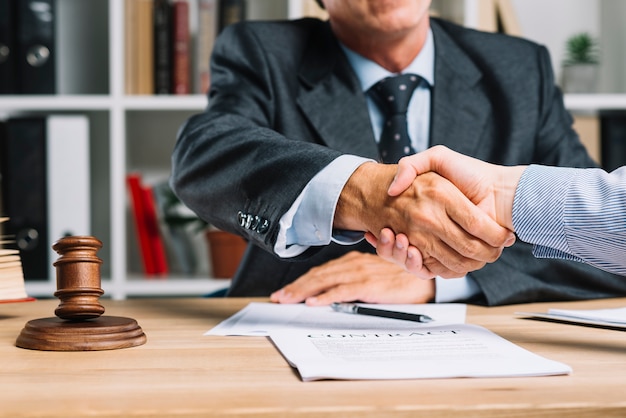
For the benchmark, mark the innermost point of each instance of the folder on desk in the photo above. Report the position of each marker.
(614, 318)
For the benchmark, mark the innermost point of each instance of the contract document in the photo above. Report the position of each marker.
(447, 351)
(323, 344)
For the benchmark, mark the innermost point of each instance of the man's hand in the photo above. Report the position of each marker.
(396, 249)
(491, 187)
(356, 277)
(435, 216)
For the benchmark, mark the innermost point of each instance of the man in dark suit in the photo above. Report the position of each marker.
(291, 126)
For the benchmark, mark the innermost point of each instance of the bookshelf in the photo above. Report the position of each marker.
(91, 81)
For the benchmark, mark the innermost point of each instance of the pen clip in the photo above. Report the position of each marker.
(344, 307)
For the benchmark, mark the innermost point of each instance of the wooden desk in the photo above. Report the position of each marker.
(180, 372)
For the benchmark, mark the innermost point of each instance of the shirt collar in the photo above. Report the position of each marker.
(369, 73)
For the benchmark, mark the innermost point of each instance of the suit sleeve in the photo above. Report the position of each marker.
(231, 165)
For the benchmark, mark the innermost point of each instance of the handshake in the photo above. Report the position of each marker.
(444, 214)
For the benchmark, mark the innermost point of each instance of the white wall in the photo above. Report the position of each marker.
(613, 43)
(551, 22)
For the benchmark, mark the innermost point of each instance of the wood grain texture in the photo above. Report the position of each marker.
(180, 372)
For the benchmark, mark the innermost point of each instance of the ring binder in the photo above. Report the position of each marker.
(8, 84)
(36, 55)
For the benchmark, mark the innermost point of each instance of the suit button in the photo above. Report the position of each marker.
(263, 227)
(248, 221)
(241, 218)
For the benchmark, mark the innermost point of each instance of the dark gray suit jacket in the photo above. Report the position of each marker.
(284, 102)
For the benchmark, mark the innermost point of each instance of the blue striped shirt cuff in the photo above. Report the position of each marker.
(538, 210)
(575, 214)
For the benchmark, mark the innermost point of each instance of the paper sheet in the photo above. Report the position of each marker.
(610, 318)
(616, 315)
(324, 344)
(260, 319)
(447, 351)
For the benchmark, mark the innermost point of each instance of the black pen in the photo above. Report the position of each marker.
(352, 308)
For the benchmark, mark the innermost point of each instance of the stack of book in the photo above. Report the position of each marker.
(168, 43)
(11, 276)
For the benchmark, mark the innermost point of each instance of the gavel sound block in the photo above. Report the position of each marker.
(78, 325)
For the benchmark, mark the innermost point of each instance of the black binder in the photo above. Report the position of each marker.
(8, 82)
(613, 138)
(24, 192)
(36, 52)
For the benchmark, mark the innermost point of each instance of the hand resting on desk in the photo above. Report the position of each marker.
(356, 277)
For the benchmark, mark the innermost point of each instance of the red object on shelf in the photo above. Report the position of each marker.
(146, 225)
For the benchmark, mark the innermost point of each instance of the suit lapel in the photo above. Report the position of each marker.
(331, 99)
(460, 108)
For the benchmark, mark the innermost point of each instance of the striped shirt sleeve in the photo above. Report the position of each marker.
(575, 214)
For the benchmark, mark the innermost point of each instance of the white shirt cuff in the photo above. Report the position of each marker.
(455, 290)
(309, 221)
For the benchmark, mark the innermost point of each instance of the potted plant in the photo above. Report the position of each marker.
(580, 66)
(225, 249)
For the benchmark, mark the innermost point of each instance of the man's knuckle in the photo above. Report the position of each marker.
(472, 248)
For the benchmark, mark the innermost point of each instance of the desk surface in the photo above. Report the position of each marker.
(180, 372)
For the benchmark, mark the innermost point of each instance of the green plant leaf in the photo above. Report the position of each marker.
(581, 48)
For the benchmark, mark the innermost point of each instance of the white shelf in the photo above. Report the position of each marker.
(141, 286)
(172, 286)
(594, 102)
(191, 102)
(11, 104)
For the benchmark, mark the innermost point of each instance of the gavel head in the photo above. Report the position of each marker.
(78, 278)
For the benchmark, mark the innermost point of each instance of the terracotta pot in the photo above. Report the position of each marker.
(225, 251)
